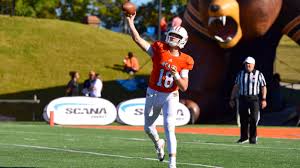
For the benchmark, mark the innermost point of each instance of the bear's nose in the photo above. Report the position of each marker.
(214, 8)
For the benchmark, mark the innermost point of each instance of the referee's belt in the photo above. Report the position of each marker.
(249, 97)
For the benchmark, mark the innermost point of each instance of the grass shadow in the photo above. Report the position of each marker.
(117, 67)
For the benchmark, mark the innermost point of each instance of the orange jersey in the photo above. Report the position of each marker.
(132, 63)
(135, 63)
(161, 78)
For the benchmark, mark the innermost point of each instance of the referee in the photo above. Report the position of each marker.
(248, 85)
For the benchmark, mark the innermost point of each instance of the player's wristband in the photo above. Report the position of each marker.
(177, 76)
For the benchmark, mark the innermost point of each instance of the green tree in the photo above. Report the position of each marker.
(6, 6)
(110, 12)
(74, 10)
(36, 8)
(147, 14)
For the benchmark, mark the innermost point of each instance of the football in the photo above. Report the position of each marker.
(129, 8)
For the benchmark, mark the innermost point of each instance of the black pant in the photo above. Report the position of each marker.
(249, 119)
(129, 69)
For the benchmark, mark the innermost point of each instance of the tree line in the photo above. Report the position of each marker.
(109, 11)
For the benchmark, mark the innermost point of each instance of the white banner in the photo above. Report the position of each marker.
(81, 110)
(131, 112)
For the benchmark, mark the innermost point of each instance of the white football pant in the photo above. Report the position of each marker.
(167, 103)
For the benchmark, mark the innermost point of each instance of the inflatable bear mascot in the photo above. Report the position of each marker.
(222, 33)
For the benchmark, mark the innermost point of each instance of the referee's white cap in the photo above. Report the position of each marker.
(249, 60)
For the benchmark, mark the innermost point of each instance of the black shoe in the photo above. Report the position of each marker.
(242, 141)
(253, 140)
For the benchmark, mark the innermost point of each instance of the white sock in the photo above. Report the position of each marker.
(172, 160)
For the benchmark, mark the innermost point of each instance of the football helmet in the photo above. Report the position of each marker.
(178, 30)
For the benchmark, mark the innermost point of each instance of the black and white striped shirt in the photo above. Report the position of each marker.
(250, 83)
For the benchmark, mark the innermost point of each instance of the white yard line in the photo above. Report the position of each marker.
(132, 139)
(102, 154)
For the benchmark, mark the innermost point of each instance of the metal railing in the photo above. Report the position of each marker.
(35, 100)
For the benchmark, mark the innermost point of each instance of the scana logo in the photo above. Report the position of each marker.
(140, 111)
(99, 111)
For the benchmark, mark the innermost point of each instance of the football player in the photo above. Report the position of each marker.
(170, 73)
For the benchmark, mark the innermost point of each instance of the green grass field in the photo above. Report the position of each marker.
(38, 145)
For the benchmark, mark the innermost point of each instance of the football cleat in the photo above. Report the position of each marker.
(172, 166)
(160, 149)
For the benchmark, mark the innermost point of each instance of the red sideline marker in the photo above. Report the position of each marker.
(51, 119)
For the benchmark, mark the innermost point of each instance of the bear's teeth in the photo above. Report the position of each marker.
(224, 20)
(228, 38)
(221, 18)
(218, 38)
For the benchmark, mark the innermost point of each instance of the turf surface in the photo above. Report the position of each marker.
(38, 145)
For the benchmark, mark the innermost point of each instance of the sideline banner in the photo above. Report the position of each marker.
(81, 110)
(131, 112)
